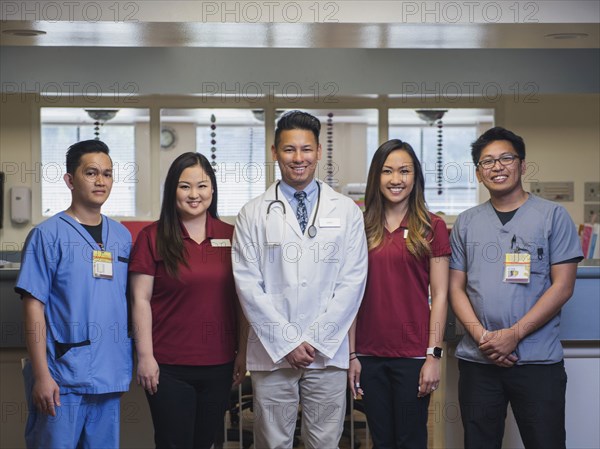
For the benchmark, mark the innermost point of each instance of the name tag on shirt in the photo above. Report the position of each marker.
(102, 264)
(329, 223)
(223, 243)
(517, 268)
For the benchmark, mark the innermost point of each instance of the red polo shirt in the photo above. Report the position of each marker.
(194, 316)
(393, 320)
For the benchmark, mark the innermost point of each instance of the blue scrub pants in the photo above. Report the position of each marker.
(536, 394)
(397, 417)
(83, 421)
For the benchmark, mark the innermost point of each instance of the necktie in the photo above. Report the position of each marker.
(301, 213)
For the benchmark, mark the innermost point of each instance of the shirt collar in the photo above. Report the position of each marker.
(288, 191)
(402, 227)
(209, 228)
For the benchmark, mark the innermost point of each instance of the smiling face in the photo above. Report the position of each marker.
(500, 179)
(92, 180)
(194, 193)
(297, 155)
(397, 178)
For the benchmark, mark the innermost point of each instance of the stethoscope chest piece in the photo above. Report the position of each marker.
(312, 231)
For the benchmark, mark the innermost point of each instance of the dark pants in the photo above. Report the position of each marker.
(536, 394)
(190, 404)
(397, 417)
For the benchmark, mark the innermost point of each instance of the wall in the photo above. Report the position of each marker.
(563, 140)
(15, 155)
(240, 72)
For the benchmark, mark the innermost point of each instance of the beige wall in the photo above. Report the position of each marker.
(562, 135)
(15, 154)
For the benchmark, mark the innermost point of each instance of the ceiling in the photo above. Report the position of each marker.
(342, 24)
(322, 49)
(286, 35)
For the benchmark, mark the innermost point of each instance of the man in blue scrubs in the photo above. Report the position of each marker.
(72, 281)
(513, 266)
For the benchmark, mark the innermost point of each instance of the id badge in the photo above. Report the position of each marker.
(517, 267)
(330, 222)
(102, 264)
(220, 243)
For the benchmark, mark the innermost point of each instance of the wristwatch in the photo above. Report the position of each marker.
(437, 352)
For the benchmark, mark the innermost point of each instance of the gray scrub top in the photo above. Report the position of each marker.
(479, 243)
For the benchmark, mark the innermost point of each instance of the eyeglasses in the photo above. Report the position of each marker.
(505, 160)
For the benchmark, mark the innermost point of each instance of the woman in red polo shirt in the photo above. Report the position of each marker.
(396, 328)
(185, 309)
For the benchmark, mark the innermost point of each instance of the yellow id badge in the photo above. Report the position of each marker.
(102, 264)
(517, 267)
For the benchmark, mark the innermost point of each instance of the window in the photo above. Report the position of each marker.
(459, 184)
(240, 163)
(459, 187)
(239, 156)
(61, 127)
(243, 162)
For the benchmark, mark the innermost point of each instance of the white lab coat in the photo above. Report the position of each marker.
(306, 289)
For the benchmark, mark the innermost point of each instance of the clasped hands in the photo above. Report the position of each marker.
(499, 346)
(302, 356)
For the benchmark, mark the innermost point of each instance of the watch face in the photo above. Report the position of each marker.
(437, 352)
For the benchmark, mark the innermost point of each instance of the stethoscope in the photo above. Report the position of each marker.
(312, 229)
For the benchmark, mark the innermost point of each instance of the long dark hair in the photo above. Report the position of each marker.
(169, 242)
(419, 223)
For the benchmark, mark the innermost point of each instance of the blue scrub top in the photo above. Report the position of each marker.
(88, 347)
(479, 243)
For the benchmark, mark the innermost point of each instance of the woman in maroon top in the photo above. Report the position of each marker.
(395, 327)
(185, 311)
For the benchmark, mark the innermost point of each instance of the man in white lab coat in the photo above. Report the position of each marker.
(300, 266)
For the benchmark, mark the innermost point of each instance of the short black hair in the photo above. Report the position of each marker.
(493, 135)
(297, 120)
(78, 149)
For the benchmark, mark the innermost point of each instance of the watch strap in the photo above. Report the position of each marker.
(437, 352)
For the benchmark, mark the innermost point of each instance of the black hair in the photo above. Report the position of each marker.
(169, 241)
(493, 135)
(78, 149)
(297, 120)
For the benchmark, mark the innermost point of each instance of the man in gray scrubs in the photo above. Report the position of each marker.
(513, 266)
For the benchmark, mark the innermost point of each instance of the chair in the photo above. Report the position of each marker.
(239, 400)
